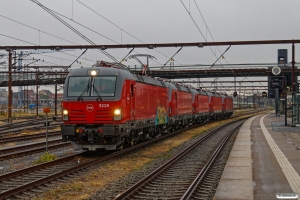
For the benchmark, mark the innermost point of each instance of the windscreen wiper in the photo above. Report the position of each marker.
(85, 89)
(96, 91)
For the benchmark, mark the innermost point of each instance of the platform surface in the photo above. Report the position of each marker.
(264, 161)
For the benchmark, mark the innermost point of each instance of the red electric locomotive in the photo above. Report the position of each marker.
(227, 106)
(107, 107)
(218, 105)
(180, 106)
(200, 105)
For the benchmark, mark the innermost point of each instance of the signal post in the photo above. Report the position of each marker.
(46, 111)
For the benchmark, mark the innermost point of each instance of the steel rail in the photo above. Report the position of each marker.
(205, 169)
(13, 131)
(35, 150)
(9, 150)
(27, 119)
(131, 190)
(29, 137)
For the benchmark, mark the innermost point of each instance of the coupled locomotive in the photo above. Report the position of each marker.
(107, 107)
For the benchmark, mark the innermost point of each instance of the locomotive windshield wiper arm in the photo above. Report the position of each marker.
(96, 91)
(85, 89)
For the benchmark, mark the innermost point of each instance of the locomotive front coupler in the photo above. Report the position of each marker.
(90, 136)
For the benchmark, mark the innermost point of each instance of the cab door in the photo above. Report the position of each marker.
(176, 103)
(132, 101)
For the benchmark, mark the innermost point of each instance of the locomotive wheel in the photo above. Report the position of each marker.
(120, 147)
(131, 143)
(64, 138)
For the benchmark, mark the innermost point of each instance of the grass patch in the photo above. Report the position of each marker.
(45, 158)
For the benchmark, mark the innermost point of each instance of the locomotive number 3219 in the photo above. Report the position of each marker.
(103, 105)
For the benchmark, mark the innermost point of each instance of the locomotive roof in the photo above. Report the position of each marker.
(124, 74)
(102, 70)
(149, 80)
(178, 87)
(217, 95)
(194, 91)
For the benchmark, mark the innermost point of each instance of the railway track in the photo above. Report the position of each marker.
(29, 137)
(29, 149)
(19, 127)
(27, 118)
(49, 172)
(206, 182)
(179, 177)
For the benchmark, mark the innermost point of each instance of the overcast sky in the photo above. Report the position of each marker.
(153, 21)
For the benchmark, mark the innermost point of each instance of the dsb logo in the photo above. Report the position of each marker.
(89, 107)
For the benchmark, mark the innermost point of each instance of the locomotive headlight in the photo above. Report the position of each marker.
(117, 114)
(65, 115)
(93, 73)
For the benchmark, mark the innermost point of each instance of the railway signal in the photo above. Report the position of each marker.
(264, 94)
(235, 94)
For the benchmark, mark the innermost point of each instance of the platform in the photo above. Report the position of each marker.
(264, 161)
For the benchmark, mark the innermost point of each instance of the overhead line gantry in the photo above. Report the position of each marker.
(149, 46)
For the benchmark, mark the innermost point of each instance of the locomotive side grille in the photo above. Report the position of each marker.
(104, 115)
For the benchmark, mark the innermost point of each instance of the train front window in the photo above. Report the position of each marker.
(104, 85)
(79, 86)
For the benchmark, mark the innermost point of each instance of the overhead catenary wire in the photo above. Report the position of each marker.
(42, 32)
(207, 26)
(82, 26)
(197, 26)
(122, 29)
(202, 33)
(37, 29)
(219, 57)
(73, 29)
(90, 29)
(69, 59)
(77, 58)
(171, 58)
(17, 39)
(41, 55)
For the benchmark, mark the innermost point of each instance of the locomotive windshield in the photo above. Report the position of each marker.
(104, 85)
(99, 86)
(79, 86)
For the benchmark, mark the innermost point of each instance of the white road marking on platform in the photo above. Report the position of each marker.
(290, 173)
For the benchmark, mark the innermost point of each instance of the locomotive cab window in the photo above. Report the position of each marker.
(79, 86)
(104, 85)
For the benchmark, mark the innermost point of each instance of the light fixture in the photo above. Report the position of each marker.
(150, 47)
(102, 47)
(200, 45)
(117, 114)
(57, 49)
